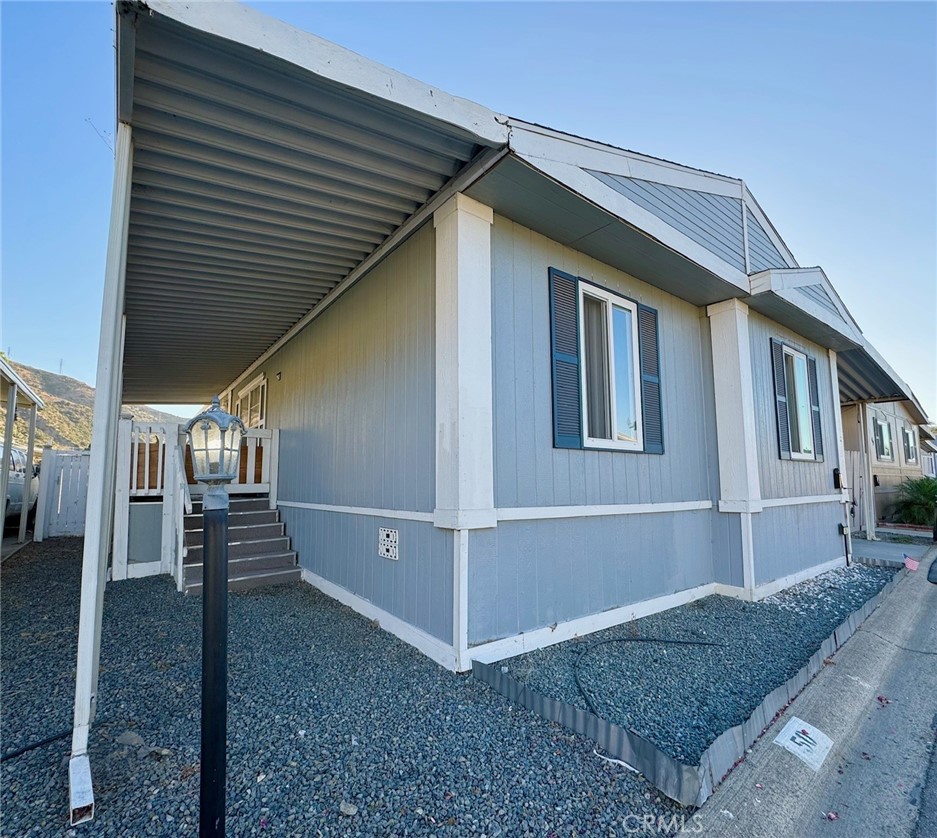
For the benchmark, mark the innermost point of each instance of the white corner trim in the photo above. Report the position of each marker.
(460, 559)
(770, 588)
(432, 647)
(755, 209)
(748, 554)
(537, 513)
(400, 514)
(733, 304)
(540, 638)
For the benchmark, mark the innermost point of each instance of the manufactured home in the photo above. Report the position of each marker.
(505, 385)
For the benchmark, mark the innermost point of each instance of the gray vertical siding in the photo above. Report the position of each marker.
(528, 574)
(529, 471)
(343, 549)
(712, 221)
(788, 539)
(762, 254)
(789, 478)
(355, 406)
(356, 401)
(727, 549)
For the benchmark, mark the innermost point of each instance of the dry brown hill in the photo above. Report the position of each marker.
(65, 421)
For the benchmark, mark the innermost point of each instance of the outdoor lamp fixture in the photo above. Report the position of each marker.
(214, 439)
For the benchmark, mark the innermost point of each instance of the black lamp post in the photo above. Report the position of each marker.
(215, 441)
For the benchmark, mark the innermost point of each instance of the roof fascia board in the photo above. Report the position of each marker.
(233, 21)
(755, 208)
(13, 377)
(873, 353)
(581, 182)
(483, 163)
(536, 142)
(783, 279)
(817, 312)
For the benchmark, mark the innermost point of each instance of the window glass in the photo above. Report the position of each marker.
(798, 403)
(609, 349)
(626, 414)
(886, 440)
(252, 405)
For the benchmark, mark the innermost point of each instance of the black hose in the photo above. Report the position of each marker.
(33, 745)
(592, 646)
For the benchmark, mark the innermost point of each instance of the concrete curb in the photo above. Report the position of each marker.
(689, 785)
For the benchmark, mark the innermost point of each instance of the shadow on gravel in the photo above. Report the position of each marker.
(325, 708)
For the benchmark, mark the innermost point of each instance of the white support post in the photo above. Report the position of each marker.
(119, 554)
(868, 446)
(7, 446)
(28, 477)
(46, 479)
(464, 433)
(739, 481)
(840, 448)
(272, 464)
(167, 545)
(101, 486)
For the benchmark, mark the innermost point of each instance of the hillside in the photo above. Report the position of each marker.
(65, 421)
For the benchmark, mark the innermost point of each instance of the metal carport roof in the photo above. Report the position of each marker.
(259, 183)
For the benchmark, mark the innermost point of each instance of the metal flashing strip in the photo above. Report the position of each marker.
(688, 785)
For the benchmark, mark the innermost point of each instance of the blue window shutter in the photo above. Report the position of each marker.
(780, 400)
(814, 390)
(652, 418)
(564, 336)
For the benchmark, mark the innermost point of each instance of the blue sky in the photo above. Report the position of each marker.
(829, 112)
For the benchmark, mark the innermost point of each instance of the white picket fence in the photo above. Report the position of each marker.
(63, 494)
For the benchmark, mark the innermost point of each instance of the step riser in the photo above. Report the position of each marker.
(249, 582)
(195, 538)
(240, 567)
(236, 519)
(243, 548)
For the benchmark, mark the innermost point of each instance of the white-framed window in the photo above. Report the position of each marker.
(252, 403)
(611, 403)
(799, 412)
(883, 446)
(910, 444)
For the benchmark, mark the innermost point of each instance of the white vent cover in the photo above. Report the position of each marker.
(387, 543)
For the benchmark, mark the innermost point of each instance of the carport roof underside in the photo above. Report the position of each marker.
(257, 186)
(272, 168)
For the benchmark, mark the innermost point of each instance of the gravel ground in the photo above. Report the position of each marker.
(683, 697)
(325, 709)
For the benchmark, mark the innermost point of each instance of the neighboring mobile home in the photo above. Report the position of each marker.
(524, 385)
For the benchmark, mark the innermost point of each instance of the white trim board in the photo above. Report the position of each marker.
(399, 514)
(138, 570)
(438, 650)
(770, 503)
(536, 513)
(507, 647)
(770, 588)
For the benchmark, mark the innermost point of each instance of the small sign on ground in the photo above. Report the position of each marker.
(805, 741)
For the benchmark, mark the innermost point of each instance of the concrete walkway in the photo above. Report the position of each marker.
(886, 550)
(877, 701)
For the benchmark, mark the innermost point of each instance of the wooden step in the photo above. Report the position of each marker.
(253, 579)
(236, 534)
(244, 565)
(248, 547)
(236, 519)
(237, 504)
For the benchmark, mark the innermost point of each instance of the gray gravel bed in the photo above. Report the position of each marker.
(683, 697)
(325, 709)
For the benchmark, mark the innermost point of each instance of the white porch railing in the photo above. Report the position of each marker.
(152, 464)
